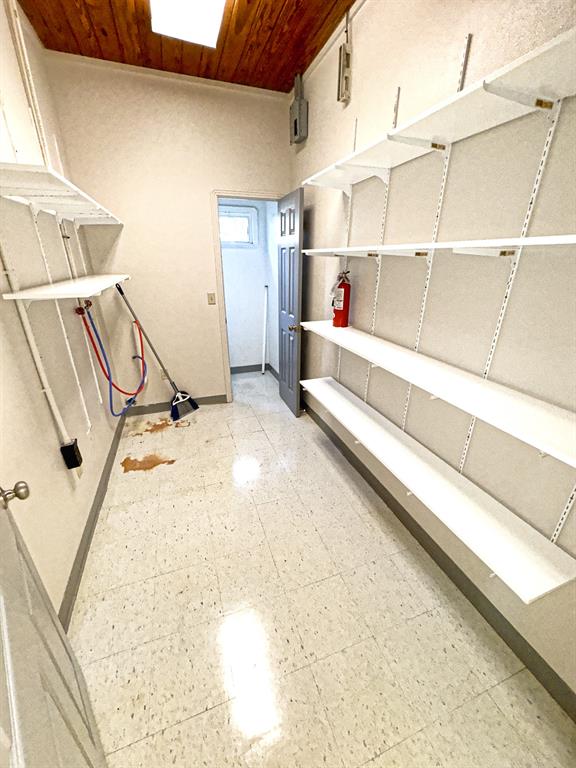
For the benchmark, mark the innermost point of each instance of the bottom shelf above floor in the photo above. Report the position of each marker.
(525, 560)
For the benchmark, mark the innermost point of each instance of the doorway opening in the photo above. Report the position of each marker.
(249, 248)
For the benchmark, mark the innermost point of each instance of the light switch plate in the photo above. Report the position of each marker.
(211, 298)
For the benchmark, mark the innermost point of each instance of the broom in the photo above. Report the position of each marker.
(182, 403)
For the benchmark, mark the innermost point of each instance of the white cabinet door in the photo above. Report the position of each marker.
(45, 715)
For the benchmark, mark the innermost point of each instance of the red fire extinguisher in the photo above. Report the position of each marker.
(341, 300)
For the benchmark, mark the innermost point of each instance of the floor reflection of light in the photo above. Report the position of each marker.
(248, 678)
(245, 469)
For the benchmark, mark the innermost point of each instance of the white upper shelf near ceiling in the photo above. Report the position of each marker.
(80, 288)
(525, 560)
(545, 426)
(495, 247)
(50, 192)
(530, 83)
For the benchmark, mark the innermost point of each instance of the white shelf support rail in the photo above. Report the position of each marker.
(548, 428)
(73, 273)
(509, 547)
(348, 192)
(34, 215)
(568, 508)
(348, 236)
(379, 265)
(60, 427)
(464, 62)
(430, 262)
(553, 118)
(531, 83)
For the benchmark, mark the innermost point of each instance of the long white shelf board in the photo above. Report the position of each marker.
(80, 288)
(546, 73)
(502, 246)
(525, 560)
(50, 192)
(547, 427)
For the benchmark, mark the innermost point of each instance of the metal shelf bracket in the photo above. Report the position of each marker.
(520, 97)
(417, 142)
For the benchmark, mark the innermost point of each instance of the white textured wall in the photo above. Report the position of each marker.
(155, 149)
(53, 518)
(417, 45)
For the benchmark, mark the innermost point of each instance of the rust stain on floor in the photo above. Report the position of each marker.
(153, 426)
(149, 462)
(159, 426)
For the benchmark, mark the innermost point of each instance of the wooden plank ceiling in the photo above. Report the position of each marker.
(263, 43)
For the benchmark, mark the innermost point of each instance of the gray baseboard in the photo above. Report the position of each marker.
(253, 369)
(144, 410)
(540, 668)
(71, 591)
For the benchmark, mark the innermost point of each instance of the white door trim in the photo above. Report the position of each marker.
(219, 268)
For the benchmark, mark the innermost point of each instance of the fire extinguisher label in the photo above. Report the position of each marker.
(338, 301)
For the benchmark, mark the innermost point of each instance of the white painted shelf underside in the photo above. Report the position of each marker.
(525, 560)
(80, 288)
(545, 73)
(47, 191)
(547, 427)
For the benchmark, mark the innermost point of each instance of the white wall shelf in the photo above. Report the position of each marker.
(525, 560)
(496, 247)
(47, 191)
(541, 76)
(547, 427)
(81, 288)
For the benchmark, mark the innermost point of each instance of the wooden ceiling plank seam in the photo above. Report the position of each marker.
(191, 58)
(150, 42)
(261, 69)
(171, 54)
(102, 19)
(80, 22)
(210, 61)
(122, 42)
(52, 30)
(330, 25)
(310, 45)
(304, 35)
(241, 28)
(262, 30)
(124, 12)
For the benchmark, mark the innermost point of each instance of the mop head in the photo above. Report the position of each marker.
(182, 405)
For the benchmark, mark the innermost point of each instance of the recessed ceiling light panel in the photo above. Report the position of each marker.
(196, 21)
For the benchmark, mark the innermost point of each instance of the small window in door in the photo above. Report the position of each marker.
(238, 226)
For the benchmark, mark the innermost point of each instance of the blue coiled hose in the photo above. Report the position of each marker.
(131, 400)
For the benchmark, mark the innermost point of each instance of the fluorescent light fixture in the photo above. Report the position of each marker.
(196, 21)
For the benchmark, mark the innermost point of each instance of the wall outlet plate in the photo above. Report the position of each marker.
(211, 298)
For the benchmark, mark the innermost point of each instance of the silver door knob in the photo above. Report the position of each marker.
(20, 491)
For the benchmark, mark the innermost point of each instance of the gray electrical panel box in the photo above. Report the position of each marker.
(298, 114)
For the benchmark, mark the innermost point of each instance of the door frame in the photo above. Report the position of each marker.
(219, 269)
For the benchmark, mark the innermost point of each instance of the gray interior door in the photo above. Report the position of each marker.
(45, 715)
(290, 210)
